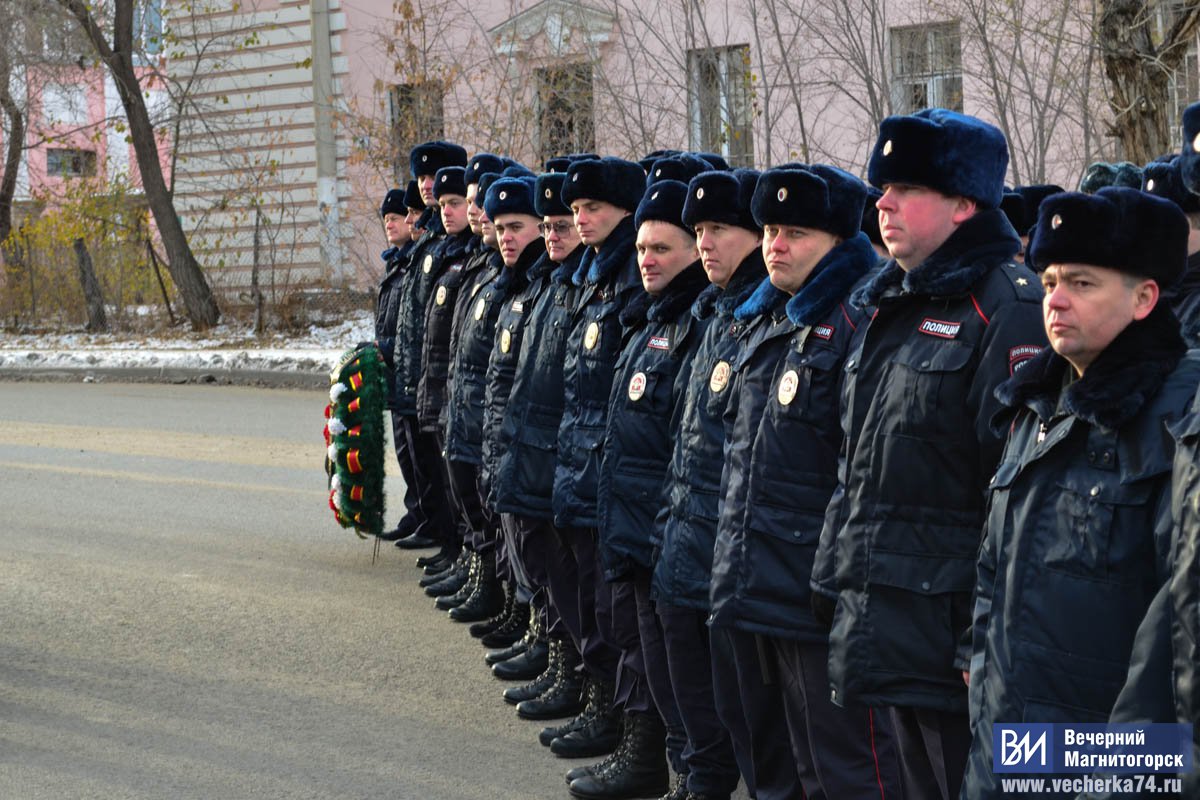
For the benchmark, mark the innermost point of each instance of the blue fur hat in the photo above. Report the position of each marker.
(428, 158)
(682, 168)
(412, 197)
(1101, 174)
(870, 216)
(663, 202)
(482, 163)
(516, 170)
(1117, 227)
(547, 195)
(611, 180)
(450, 180)
(1190, 155)
(714, 160)
(648, 160)
(1165, 179)
(821, 197)
(393, 203)
(1021, 205)
(510, 196)
(718, 196)
(485, 181)
(561, 163)
(953, 153)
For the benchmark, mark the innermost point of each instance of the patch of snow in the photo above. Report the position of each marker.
(314, 351)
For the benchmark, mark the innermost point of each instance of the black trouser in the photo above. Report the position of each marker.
(708, 755)
(749, 699)
(632, 689)
(426, 478)
(464, 488)
(933, 751)
(413, 515)
(851, 749)
(657, 669)
(593, 599)
(534, 555)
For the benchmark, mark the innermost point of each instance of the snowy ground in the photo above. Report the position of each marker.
(223, 350)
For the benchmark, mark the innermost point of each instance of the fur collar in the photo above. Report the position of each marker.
(430, 222)
(715, 300)
(515, 278)
(457, 245)
(763, 300)
(541, 268)
(980, 243)
(1118, 384)
(676, 298)
(596, 266)
(833, 278)
(679, 295)
(565, 272)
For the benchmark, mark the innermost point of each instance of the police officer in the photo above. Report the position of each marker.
(398, 232)
(1078, 534)
(546, 564)
(525, 477)
(602, 194)
(954, 317)
(661, 335)
(1184, 297)
(424, 161)
(728, 239)
(460, 256)
(781, 472)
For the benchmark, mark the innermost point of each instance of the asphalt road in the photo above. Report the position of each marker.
(180, 616)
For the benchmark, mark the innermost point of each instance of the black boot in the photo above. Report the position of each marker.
(481, 629)
(486, 599)
(512, 630)
(539, 685)
(565, 696)
(532, 631)
(575, 773)
(679, 790)
(455, 580)
(640, 769)
(415, 542)
(437, 576)
(438, 561)
(599, 734)
(449, 601)
(552, 732)
(526, 666)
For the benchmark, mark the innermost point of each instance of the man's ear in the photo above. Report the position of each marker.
(964, 209)
(1145, 297)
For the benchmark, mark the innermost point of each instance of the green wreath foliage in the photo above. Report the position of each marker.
(354, 440)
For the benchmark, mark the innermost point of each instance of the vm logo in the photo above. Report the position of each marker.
(1022, 748)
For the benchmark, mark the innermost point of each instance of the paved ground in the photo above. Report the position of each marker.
(180, 617)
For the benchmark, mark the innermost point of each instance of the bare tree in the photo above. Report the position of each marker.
(118, 57)
(1138, 64)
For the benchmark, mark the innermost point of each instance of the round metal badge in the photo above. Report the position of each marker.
(637, 386)
(719, 378)
(440, 297)
(591, 336)
(787, 387)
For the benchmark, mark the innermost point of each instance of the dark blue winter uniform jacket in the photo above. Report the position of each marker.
(920, 452)
(533, 268)
(455, 260)
(1078, 534)
(416, 286)
(1184, 299)
(784, 442)
(607, 279)
(524, 481)
(478, 305)
(652, 373)
(689, 528)
(387, 306)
